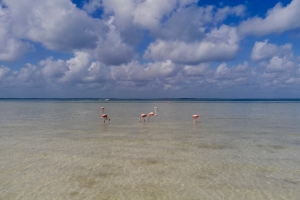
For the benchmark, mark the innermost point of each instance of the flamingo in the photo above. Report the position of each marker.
(102, 108)
(195, 117)
(152, 113)
(104, 116)
(142, 116)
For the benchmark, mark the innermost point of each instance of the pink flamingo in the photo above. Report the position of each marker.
(195, 117)
(151, 114)
(104, 116)
(142, 116)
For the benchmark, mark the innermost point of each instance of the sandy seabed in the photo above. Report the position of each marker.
(229, 158)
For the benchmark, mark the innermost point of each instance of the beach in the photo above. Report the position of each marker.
(64, 150)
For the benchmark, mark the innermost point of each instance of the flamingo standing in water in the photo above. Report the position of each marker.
(195, 117)
(104, 116)
(142, 116)
(152, 113)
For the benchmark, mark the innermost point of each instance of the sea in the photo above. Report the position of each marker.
(63, 149)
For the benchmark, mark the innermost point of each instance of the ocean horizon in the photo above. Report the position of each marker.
(153, 99)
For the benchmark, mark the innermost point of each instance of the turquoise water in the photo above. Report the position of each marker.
(64, 150)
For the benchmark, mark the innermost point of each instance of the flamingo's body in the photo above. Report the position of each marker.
(104, 116)
(151, 114)
(142, 116)
(195, 117)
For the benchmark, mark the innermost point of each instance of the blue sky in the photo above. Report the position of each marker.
(149, 49)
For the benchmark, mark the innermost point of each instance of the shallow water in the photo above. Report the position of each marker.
(64, 150)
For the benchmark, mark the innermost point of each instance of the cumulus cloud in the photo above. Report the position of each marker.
(145, 14)
(3, 72)
(222, 13)
(52, 68)
(276, 58)
(111, 49)
(77, 67)
(81, 69)
(278, 19)
(149, 13)
(197, 71)
(219, 44)
(264, 50)
(133, 17)
(82, 72)
(144, 73)
(277, 63)
(92, 5)
(57, 24)
(238, 73)
(281, 68)
(10, 48)
(70, 28)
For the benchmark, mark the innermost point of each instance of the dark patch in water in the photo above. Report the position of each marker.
(271, 146)
(151, 161)
(214, 146)
(105, 174)
(86, 182)
(74, 193)
(295, 182)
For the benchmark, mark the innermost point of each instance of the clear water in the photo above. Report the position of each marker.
(64, 150)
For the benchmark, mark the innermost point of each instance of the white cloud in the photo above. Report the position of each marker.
(57, 24)
(277, 60)
(222, 13)
(146, 14)
(27, 77)
(53, 69)
(263, 50)
(190, 23)
(3, 72)
(121, 10)
(237, 73)
(111, 49)
(149, 13)
(92, 5)
(280, 64)
(10, 47)
(197, 71)
(162, 69)
(98, 73)
(281, 69)
(220, 44)
(77, 67)
(81, 73)
(144, 73)
(278, 20)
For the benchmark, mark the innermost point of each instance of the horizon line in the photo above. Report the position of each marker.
(161, 98)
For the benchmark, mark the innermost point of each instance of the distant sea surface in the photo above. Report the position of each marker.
(237, 149)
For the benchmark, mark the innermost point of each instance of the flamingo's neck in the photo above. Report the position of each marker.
(155, 110)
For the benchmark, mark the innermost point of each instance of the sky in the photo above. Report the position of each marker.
(149, 49)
